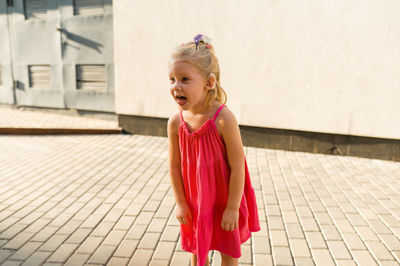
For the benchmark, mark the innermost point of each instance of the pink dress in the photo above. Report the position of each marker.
(206, 174)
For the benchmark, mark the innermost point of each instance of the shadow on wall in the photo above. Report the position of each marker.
(79, 39)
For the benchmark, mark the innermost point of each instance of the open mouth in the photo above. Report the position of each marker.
(181, 100)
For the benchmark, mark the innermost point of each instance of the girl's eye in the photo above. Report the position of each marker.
(172, 79)
(185, 79)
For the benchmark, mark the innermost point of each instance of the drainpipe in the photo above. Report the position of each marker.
(10, 3)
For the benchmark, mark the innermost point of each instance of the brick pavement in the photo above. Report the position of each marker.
(106, 200)
(39, 121)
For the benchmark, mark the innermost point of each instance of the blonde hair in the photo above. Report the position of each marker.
(203, 57)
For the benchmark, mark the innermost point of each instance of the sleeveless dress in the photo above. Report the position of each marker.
(206, 173)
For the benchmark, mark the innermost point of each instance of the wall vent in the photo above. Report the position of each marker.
(91, 78)
(88, 7)
(35, 9)
(40, 77)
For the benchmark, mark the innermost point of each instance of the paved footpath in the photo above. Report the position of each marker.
(38, 121)
(107, 200)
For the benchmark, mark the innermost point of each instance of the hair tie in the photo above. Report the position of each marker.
(202, 38)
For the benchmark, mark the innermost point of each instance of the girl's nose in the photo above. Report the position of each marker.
(176, 86)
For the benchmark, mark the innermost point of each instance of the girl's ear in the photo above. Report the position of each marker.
(211, 81)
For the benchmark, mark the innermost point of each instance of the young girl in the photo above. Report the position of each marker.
(215, 202)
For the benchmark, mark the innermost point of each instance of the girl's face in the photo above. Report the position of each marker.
(188, 86)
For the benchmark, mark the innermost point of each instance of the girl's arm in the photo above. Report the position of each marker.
(234, 148)
(183, 211)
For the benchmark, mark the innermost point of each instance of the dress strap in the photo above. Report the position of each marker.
(219, 110)
(180, 116)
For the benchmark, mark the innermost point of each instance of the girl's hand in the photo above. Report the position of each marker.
(230, 219)
(183, 213)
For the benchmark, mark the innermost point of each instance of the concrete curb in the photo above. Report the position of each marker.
(57, 131)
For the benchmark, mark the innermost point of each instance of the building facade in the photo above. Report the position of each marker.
(315, 76)
(57, 54)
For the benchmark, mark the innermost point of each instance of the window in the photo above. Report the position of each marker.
(35, 9)
(91, 78)
(40, 77)
(88, 7)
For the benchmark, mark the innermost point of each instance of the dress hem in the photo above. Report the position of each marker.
(217, 249)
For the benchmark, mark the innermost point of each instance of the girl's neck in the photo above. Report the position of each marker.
(202, 109)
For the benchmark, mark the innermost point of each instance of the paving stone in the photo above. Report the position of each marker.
(356, 219)
(144, 218)
(322, 257)
(288, 217)
(37, 258)
(363, 257)
(69, 227)
(379, 251)
(299, 248)
(391, 241)
(157, 262)
(389, 263)
(141, 257)
(92, 221)
(89, 245)
(77, 259)
(263, 259)
(282, 256)
(136, 232)
(114, 261)
(4, 254)
(44, 234)
(299, 261)
(261, 245)
(53, 243)
(102, 229)
(294, 231)
(113, 215)
(170, 233)
(345, 263)
(149, 241)
(151, 205)
(125, 223)
(38, 225)
(133, 210)
(25, 251)
(163, 211)
(304, 211)
(278, 238)
(275, 223)
(353, 241)
(102, 254)
(330, 232)
(164, 251)
(78, 236)
(114, 238)
(344, 226)
(18, 241)
(315, 240)
(62, 254)
(309, 224)
(11, 263)
(366, 233)
(379, 227)
(12, 231)
(157, 225)
(338, 250)
(126, 248)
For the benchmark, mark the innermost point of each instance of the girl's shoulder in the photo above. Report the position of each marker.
(174, 123)
(225, 119)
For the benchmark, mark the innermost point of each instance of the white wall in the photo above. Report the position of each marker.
(321, 66)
